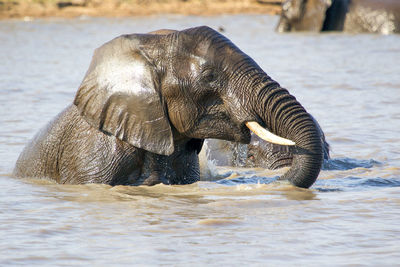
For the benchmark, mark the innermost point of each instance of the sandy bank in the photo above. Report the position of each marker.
(121, 8)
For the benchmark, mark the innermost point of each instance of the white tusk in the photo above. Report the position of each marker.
(267, 135)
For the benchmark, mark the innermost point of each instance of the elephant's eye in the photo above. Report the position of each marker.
(209, 76)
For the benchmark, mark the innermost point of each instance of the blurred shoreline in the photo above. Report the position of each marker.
(27, 9)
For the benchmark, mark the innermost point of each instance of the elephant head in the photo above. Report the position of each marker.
(313, 15)
(154, 90)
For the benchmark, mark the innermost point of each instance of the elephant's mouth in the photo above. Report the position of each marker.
(244, 135)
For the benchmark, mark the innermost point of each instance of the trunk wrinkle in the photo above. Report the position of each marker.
(278, 110)
(292, 112)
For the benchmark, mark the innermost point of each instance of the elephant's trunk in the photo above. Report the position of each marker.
(284, 116)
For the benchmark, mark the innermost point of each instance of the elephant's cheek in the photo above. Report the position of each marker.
(181, 120)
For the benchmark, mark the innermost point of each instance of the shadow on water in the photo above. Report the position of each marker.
(354, 183)
(348, 183)
(343, 164)
(247, 180)
(322, 185)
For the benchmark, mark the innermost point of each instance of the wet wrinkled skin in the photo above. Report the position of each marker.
(355, 16)
(148, 101)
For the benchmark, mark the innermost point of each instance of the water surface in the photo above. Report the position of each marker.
(351, 85)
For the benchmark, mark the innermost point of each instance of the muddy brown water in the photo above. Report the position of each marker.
(350, 217)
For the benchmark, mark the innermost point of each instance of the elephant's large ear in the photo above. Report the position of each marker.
(120, 95)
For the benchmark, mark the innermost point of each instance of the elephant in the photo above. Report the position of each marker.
(354, 16)
(148, 101)
(259, 153)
